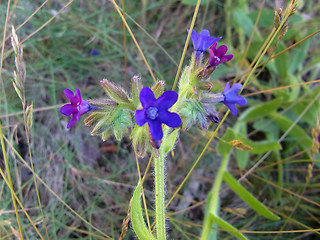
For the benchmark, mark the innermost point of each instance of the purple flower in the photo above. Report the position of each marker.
(94, 52)
(231, 98)
(202, 41)
(77, 106)
(217, 55)
(155, 111)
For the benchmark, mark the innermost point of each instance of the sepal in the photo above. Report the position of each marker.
(192, 113)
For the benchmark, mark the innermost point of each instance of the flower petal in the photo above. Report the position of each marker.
(171, 119)
(194, 38)
(68, 109)
(222, 50)
(206, 41)
(205, 32)
(241, 101)
(166, 100)
(70, 96)
(84, 107)
(156, 129)
(236, 87)
(226, 58)
(226, 88)
(232, 108)
(73, 120)
(146, 97)
(140, 117)
(78, 95)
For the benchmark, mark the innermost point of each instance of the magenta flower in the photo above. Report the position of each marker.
(217, 55)
(76, 108)
(155, 111)
(202, 41)
(231, 97)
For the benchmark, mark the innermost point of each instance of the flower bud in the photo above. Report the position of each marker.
(102, 103)
(158, 88)
(116, 93)
(206, 86)
(136, 88)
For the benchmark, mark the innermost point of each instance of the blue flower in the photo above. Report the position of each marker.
(155, 111)
(202, 41)
(76, 108)
(218, 55)
(231, 98)
(94, 52)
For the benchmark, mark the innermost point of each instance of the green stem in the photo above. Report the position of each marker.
(213, 202)
(159, 196)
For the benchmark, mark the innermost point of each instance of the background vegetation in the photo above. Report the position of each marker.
(75, 44)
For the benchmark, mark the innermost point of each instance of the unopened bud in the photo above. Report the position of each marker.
(102, 103)
(158, 88)
(214, 118)
(207, 72)
(136, 88)
(116, 93)
(91, 119)
(206, 86)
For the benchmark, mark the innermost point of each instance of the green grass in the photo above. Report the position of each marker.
(97, 179)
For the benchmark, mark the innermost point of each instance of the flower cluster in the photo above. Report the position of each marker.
(151, 105)
(199, 104)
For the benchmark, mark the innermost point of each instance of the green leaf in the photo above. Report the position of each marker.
(225, 225)
(266, 18)
(243, 21)
(299, 135)
(241, 156)
(248, 198)
(257, 147)
(224, 147)
(281, 62)
(138, 224)
(298, 56)
(311, 115)
(260, 110)
(169, 142)
(264, 146)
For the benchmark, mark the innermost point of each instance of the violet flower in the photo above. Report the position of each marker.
(155, 111)
(76, 108)
(231, 97)
(202, 41)
(217, 55)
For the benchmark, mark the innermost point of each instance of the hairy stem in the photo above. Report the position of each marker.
(159, 197)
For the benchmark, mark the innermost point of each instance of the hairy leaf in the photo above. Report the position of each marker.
(138, 224)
